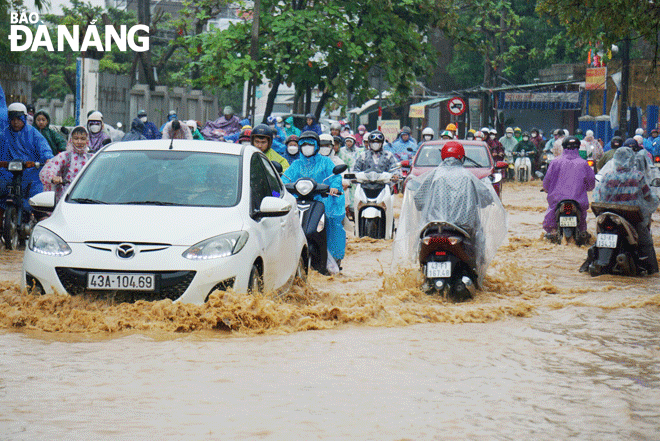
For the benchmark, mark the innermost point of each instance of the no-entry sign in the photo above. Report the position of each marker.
(456, 106)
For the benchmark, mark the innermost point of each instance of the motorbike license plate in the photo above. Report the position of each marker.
(123, 281)
(568, 221)
(606, 240)
(438, 270)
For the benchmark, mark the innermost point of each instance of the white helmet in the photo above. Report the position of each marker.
(192, 124)
(18, 108)
(590, 133)
(326, 138)
(508, 130)
(485, 130)
(639, 131)
(335, 126)
(428, 131)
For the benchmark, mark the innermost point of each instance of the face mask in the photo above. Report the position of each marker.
(479, 138)
(361, 132)
(143, 119)
(95, 128)
(325, 150)
(492, 136)
(509, 135)
(534, 135)
(376, 146)
(469, 137)
(525, 138)
(427, 137)
(288, 126)
(292, 149)
(307, 150)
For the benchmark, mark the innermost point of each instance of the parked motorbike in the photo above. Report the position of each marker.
(17, 223)
(616, 248)
(312, 216)
(373, 207)
(446, 254)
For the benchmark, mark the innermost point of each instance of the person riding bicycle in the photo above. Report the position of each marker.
(22, 141)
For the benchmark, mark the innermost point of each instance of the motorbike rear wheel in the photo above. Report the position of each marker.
(371, 228)
(10, 232)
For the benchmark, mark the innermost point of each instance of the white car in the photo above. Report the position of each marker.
(169, 219)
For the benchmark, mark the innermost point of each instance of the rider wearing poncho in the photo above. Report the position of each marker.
(452, 194)
(318, 167)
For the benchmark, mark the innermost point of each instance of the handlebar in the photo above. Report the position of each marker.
(26, 164)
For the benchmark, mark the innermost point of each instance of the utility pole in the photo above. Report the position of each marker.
(625, 75)
(254, 82)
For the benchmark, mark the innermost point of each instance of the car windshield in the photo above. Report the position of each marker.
(429, 156)
(147, 177)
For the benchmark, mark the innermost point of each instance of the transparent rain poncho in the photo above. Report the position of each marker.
(452, 194)
(626, 185)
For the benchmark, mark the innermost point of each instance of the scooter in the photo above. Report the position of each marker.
(17, 223)
(373, 207)
(567, 215)
(545, 161)
(448, 262)
(312, 216)
(525, 168)
(616, 248)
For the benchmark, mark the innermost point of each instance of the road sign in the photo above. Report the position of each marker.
(456, 106)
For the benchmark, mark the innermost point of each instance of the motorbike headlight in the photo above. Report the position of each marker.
(495, 178)
(223, 245)
(321, 224)
(15, 166)
(304, 187)
(43, 241)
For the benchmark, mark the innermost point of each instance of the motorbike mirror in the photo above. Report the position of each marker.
(278, 167)
(339, 169)
(349, 176)
(655, 182)
(539, 174)
(410, 149)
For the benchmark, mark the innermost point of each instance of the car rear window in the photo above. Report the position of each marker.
(160, 178)
(430, 156)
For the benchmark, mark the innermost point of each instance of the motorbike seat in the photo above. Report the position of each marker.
(631, 213)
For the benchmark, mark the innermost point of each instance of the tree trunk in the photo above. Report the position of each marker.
(308, 100)
(625, 75)
(271, 96)
(144, 17)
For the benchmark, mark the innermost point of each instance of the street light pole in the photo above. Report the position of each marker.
(254, 54)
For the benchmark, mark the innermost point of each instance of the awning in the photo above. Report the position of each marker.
(363, 109)
(539, 100)
(417, 109)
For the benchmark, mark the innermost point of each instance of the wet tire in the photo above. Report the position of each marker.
(10, 228)
(371, 228)
(300, 278)
(256, 281)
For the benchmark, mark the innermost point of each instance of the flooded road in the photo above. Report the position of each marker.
(543, 353)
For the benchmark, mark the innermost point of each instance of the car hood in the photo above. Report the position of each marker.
(76, 223)
(480, 173)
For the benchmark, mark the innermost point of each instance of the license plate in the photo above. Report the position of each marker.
(568, 221)
(124, 281)
(438, 270)
(606, 240)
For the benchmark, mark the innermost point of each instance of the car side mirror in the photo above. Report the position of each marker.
(278, 167)
(655, 182)
(339, 169)
(43, 201)
(272, 207)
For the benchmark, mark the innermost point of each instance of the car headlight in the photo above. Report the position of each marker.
(304, 186)
(219, 246)
(46, 242)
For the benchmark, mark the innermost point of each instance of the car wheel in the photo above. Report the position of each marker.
(301, 272)
(256, 282)
(10, 228)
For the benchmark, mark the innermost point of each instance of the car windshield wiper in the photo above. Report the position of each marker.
(87, 201)
(149, 203)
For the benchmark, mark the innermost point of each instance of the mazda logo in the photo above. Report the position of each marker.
(125, 251)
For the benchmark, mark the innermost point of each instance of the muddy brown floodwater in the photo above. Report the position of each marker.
(543, 353)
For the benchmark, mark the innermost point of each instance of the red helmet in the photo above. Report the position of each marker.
(453, 149)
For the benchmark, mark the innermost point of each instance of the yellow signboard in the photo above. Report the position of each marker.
(596, 78)
(416, 111)
(390, 128)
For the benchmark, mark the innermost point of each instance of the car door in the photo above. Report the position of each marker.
(289, 223)
(269, 229)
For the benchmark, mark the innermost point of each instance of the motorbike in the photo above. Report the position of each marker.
(510, 171)
(373, 206)
(567, 215)
(545, 161)
(312, 216)
(524, 172)
(447, 259)
(17, 223)
(616, 248)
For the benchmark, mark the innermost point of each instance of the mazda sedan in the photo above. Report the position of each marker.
(168, 220)
(478, 160)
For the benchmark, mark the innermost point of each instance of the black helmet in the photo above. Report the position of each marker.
(632, 143)
(376, 136)
(30, 108)
(142, 113)
(309, 134)
(176, 125)
(570, 143)
(616, 142)
(262, 130)
(526, 134)
(578, 132)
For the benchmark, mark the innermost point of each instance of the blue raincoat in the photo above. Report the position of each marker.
(4, 123)
(27, 145)
(319, 167)
(400, 148)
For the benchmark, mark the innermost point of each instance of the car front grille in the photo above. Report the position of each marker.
(169, 284)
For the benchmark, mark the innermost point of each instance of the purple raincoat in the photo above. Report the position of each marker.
(214, 130)
(569, 177)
